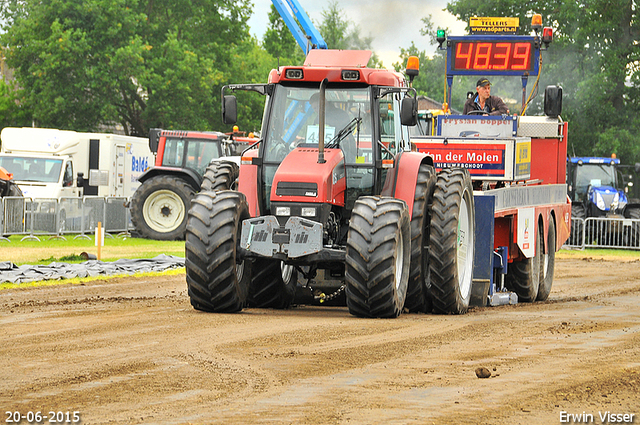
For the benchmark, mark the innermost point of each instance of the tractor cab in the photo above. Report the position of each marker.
(361, 128)
(593, 182)
(328, 167)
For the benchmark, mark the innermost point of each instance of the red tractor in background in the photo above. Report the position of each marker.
(185, 162)
(332, 192)
(7, 186)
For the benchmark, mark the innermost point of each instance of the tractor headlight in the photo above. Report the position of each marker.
(283, 211)
(308, 211)
(600, 202)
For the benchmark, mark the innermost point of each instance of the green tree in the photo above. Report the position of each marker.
(594, 57)
(252, 64)
(432, 80)
(341, 33)
(279, 42)
(12, 112)
(138, 63)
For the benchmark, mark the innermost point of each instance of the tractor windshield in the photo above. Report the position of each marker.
(294, 122)
(32, 169)
(190, 153)
(594, 175)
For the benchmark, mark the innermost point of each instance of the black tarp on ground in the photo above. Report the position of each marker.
(9, 272)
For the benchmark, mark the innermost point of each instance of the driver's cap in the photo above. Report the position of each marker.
(483, 82)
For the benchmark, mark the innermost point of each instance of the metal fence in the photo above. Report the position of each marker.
(619, 233)
(65, 216)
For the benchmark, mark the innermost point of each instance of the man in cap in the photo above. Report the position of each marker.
(483, 102)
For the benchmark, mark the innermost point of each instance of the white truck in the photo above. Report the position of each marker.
(50, 163)
(57, 169)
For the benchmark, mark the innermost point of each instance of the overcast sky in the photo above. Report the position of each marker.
(391, 23)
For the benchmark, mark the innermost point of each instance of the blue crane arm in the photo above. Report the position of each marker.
(308, 39)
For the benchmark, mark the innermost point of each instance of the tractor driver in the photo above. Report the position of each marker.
(334, 117)
(483, 102)
(338, 119)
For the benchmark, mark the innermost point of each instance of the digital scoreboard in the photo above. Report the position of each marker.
(493, 55)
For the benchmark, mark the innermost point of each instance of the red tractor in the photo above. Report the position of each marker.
(333, 193)
(186, 161)
(7, 186)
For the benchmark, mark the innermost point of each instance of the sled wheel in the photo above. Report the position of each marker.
(547, 264)
(523, 277)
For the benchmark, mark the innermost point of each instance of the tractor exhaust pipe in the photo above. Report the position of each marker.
(321, 119)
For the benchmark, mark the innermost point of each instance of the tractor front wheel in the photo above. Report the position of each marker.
(377, 257)
(217, 280)
(220, 175)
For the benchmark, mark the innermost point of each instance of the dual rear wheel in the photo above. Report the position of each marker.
(452, 242)
(532, 278)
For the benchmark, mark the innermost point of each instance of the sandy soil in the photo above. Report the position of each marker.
(134, 351)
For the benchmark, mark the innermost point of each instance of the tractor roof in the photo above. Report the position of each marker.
(594, 160)
(338, 66)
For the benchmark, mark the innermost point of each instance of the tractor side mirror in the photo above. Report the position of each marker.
(553, 101)
(154, 139)
(229, 109)
(80, 179)
(409, 111)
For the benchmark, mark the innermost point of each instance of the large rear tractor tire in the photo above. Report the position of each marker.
(523, 277)
(418, 299)
(217, 280)
(220, 175)
(273, 284)
(159, 208)
(377, 257)
(547, 263)
(452, 244)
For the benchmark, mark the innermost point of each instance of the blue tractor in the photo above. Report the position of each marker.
(595, 189)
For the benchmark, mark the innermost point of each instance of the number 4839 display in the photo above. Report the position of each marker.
(493, 55)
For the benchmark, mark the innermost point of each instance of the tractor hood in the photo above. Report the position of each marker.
(607, 198)
(300, 178)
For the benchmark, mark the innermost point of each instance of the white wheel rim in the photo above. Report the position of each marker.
(545, 260)
(464, 247)
(163, 211)
(240, 271)
(399, 258)
(287, 272)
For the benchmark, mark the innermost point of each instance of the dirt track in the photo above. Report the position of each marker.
(134, 351)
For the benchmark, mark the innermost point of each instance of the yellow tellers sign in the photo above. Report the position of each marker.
(494, 25)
